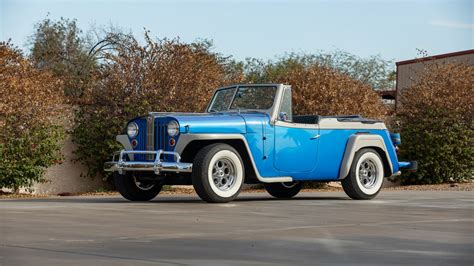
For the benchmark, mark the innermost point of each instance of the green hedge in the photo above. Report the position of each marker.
(436, 118)
(444, 151)
(31, 111)
(24, 159)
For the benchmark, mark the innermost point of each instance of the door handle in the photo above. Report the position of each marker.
(316, 136)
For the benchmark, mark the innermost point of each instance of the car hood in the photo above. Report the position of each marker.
(207, 122)
(231, 122)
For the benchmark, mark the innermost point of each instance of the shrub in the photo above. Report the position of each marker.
(373, 71)
(162, 75)
(318, 89)
(58, 46)
(29, 107)
(436, 118)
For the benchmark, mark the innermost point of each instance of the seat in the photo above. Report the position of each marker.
(306, 119)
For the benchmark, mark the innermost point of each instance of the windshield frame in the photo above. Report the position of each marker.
(236, 89)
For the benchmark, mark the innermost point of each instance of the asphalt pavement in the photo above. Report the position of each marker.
(396, 228)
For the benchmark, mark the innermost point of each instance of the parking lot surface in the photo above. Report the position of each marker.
(398, 227)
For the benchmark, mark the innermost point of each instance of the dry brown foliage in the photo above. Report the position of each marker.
(165, 74)
(30, 105)
(29, 97)
(444, 90)
(324, 91)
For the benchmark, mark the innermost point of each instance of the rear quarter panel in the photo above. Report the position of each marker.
(332, 147)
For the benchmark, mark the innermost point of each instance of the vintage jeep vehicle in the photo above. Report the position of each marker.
(249, 134)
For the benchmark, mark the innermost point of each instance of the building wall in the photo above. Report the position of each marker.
(408, 72)
(69, 176)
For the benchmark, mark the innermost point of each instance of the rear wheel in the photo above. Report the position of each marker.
(133, 188)
(366, 175)
(218, 173)
(283, 190)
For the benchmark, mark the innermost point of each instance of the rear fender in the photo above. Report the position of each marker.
(359, 141)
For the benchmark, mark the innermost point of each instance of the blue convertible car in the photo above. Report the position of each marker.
(249, 134)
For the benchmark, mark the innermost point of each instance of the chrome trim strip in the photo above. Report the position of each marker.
(355, 143)
(332, 123)
(185, 139)
(150, 135)
(295, 125)
(156, 166)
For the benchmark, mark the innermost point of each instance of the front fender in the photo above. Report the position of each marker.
(185, 139)
(125, 141)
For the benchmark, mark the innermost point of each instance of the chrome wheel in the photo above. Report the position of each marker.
(368, 173)
(223, 174)
(142, 185)
(366, 176)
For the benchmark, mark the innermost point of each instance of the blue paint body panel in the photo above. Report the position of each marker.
(277, 150)
(296, 150)
(211, 123)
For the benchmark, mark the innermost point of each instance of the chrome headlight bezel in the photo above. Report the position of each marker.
(132, 129)
(172, 128)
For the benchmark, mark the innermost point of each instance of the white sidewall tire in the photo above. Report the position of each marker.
(380, 175)
(239, 176)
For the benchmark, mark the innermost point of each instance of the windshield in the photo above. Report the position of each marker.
(243, 98)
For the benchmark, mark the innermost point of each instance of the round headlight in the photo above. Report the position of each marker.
(132, 130)
(173, 128)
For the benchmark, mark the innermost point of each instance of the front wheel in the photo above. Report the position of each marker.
(218, 173)
(131, 187)
(283, 190)
(365, 177)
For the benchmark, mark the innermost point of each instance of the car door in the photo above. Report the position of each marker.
(296, 147)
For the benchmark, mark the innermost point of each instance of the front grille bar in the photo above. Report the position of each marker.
(150, 136)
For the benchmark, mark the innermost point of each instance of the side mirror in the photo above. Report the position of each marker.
(283, 116)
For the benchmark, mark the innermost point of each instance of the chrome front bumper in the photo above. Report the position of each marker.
(120, 165)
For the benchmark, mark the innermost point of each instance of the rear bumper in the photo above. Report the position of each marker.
(157, 166)
(410, 166)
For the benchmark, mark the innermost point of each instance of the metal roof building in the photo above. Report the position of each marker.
(409, 71)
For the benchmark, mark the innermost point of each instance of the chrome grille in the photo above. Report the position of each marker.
(150, 136)
(161, 135)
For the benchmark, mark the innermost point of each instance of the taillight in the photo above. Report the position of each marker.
(396, 139)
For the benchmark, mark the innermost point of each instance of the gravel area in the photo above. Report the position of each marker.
(175, 190)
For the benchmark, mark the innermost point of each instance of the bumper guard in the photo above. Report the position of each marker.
(410, 166)
(155, 166)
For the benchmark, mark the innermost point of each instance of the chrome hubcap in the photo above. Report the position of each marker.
(223, 174)
(368, 173)
(142, 185)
